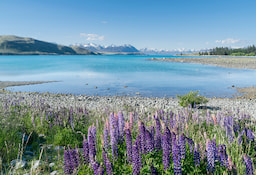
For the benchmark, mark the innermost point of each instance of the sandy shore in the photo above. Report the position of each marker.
(220, 61)
(5, 84)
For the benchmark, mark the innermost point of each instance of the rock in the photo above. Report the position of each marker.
(58, 148)
(137, 93)
(35, 164)
(54, 172)
(17, 164)
(51, 165)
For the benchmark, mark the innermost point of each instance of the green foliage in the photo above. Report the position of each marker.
(192, 98)
(249, 51)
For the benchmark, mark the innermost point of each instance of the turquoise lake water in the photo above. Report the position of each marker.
(81, 74)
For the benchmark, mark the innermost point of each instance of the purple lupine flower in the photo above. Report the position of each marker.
(222, 155)
(153, 170)
(248, 164)
(76, 155)
(95, 166)
(135, 159)
(106, 138)
(94, 133)
(113, 135)
(67, 163)
(104, 156)
(182, 144)
(142, 138)
(91, 145)
(166, 151)
(196, 156)
(190, 144)
(240, 135)
(129, 145)
(71, 119)
(101, 170)
(152, 131)
(109, 167)
(121, 126)
(149, 142)
(158, 135)
(210, 155)
(113, 140)
(176, 155)
(250, 135)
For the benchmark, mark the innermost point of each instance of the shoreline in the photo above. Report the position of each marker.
(122, 103)
(5, 84)
(219, 61)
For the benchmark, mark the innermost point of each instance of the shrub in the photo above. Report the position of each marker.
(192, 98)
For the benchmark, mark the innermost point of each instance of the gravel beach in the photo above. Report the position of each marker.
(220, 61)
(117, 103)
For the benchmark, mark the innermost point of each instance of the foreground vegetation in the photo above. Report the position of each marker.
(249, 51)
(36, 138)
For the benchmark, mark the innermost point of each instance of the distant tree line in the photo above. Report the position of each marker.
(249, 51)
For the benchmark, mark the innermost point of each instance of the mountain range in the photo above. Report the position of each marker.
(14, 45)
(128, 49)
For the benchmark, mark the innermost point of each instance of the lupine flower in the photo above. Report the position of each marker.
(152, 131)
(248, 164)
(121, 126)
(106, 137)
(91, 145)
(149, 142)
(222, 155)
(210, 155)
(250, 134)
(100, 170)
(67, 163)
(182, 144)
(176, 155)
(142, 138)
(135, 159)
(129, 145)
(196, 156)
(113, 140)
(158, 135)
(166, 151)
(190, 144)
(104, 156)
(109, 167)
(95, 166)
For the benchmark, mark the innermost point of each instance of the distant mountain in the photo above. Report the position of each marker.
(152, 51)
(109, 49)
(14, 45)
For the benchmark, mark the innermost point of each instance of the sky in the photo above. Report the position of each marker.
(160, 24)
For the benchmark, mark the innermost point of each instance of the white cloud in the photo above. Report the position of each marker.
(92, 37)
(231, 41)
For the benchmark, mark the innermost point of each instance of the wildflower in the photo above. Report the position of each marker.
(196, 156)
(158, 134)
(135, 159)
(248, 164)
(85, 151)
(106, 137)
(182, 144)
(142, 138)
(166, 152)
(190, 144)
(210, 155)
(129, 145)
(109, 167)
(176, 155)
(120, 126)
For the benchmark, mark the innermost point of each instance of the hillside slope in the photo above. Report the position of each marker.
(14, 45)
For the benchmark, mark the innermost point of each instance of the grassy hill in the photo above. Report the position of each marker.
(14, 45)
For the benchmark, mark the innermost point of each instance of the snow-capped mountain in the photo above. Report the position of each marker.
(109, 49)
(152, 51)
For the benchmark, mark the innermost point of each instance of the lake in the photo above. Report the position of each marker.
(121, 75)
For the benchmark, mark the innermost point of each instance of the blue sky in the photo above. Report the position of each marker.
(162, 24)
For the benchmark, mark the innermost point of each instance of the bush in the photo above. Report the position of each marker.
(192, 98)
